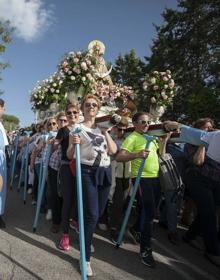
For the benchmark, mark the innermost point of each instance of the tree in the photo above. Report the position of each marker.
(188, 43)
(5, 38)
(129, 70)
(10, 122)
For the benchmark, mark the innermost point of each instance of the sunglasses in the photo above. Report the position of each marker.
(69, 113)
(52, 124)
(93, 104)
(142, 122)
(62, 120)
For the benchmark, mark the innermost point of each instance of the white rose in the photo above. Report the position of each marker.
(57, 91)
(155, 72)
(153, 100)
(155, 87)
(169, 76)
(165, 97)
(165, 86)
(60, 82)
(171, 84)
(83, 79)
(75, 60)
(54, 84)
(153, 81)
(145, 85)
(168, 72)
(88, 62)
(52, 90)
(165, 79)
(163, 93)
(72, 78)
(84, 66)
(69, 72)
(89, 76)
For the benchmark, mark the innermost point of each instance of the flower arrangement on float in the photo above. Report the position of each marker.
(78, 70)
(47, 92)
(161, 89)
(78, 74)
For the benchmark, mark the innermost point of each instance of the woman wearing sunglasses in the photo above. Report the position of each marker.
(95, 147)
(39, 155)
(67, 179)
(133, 149)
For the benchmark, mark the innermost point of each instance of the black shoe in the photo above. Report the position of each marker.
(2, 223)
(147, 258)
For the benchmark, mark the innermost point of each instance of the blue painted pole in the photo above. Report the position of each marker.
(80, 209)
(42, 186)
(136, 184)
(12, 167)
(25, 173)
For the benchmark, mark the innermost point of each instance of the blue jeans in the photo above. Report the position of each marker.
(94, 201)
(149, 196)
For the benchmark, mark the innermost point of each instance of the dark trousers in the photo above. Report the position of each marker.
(149, 197)
(56, 200)
(68, 190)
(117, 207)
(206, 194)
(94, 202)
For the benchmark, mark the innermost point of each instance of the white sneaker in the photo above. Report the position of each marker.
(29, 191)
(49, 215)
(89, 269)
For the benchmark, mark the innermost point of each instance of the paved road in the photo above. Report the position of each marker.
(25, 255)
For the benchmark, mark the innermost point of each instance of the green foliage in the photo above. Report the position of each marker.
(10, 122)
(188, 44)
(5, 38)
(129, 70)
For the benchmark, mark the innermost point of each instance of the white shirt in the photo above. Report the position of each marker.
(93, 147)
(5, 139)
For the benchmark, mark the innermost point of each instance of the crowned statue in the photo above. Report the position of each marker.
(97, 48)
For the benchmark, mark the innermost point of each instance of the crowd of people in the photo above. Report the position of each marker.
(110, 161)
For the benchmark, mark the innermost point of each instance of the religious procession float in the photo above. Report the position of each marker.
(83, 72)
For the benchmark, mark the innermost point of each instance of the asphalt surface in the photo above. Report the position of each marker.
(27, 255)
